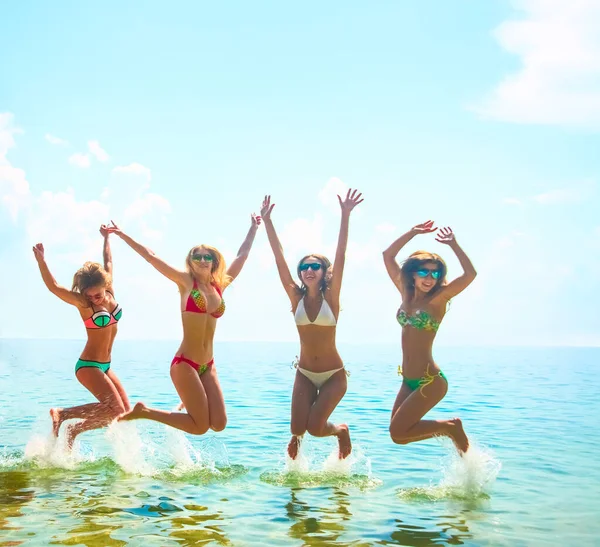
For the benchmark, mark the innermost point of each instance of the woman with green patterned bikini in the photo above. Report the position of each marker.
(425, 294)
(93, 296)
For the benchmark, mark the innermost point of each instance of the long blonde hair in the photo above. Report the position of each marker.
(90, 275)
(218, 269)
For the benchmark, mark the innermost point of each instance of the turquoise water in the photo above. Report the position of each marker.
(532, 478)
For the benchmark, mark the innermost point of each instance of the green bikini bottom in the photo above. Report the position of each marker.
(420, 383)
(82, 363)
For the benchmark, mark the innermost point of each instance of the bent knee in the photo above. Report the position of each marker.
(199, 428)
(315, 428)
(399, 436)
(219, 425)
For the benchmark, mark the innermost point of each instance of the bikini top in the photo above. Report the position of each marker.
(103, 318)
(325, 318)
(196, 302)
(421, 320)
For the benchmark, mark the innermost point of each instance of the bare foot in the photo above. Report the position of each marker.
(458, 435)
(344, 441)
(55, 414)
(138, 410)
(71, 434)
(294, 447)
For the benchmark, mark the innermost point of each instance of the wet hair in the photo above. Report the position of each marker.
(327, 273)
(218, 269)
(90, 275)
(415, 262)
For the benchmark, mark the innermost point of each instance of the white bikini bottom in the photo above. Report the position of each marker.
(319, 378)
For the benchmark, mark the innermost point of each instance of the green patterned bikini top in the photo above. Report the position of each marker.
(421, 320)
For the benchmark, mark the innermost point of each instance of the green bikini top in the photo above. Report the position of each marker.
(421, 320)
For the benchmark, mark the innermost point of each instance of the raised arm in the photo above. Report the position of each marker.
(347, 205)
(458, 285)
(70, 297)
(389, 255)
(177, 276)
(106, 254)
(238, 262)
(284, 272)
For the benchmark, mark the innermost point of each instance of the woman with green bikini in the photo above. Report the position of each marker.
(425, 294)
(93, 296)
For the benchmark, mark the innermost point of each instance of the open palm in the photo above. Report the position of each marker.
(351, 201)
(445, 235)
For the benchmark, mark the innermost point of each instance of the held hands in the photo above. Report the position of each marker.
(38, 251)
(112, 228)
(104, 231)
(350, 202)
(266, 208)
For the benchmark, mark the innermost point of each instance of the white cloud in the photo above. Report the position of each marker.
(134, 169)
(558, 43)
(512, 201)
(575, 193)
(98, 152)
(55, 140)
(150, 211)
(328, 195)
(80, 160)
(59, 218)
(14, 188)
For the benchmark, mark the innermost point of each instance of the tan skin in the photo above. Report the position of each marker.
(311, 408)
(407, 425)
(107, 388)
(200, 395)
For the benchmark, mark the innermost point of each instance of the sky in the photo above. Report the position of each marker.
(175, 120)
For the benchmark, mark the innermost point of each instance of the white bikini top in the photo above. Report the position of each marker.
(324, 319)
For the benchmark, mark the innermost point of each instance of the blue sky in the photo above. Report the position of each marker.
(176, 121)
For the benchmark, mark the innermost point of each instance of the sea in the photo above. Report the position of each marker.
(531, 476)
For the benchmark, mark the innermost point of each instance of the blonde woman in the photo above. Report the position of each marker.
(93, 295)
(192, 370)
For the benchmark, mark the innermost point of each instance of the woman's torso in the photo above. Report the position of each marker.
(317, 329)
(101, 324)
(201, 306)
(421, 321)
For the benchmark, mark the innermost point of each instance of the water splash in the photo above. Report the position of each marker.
(355, 470)
(468, 477)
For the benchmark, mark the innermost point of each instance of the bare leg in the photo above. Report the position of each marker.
(407, 426)
(60, 415)
(216, 402)
(303, 397)
(193, 397)
(100, 414)
(329, 396)
(121, 390)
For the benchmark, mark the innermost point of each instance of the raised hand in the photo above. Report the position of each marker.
(38, 251)
(113, 228)
(351, 201)
(445, 236)
(104, 230)
(266, 208)
(424, 228)
(256, 220)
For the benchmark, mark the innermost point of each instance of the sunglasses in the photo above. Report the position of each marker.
(314, 266)
(435, 274)
(198, 257)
